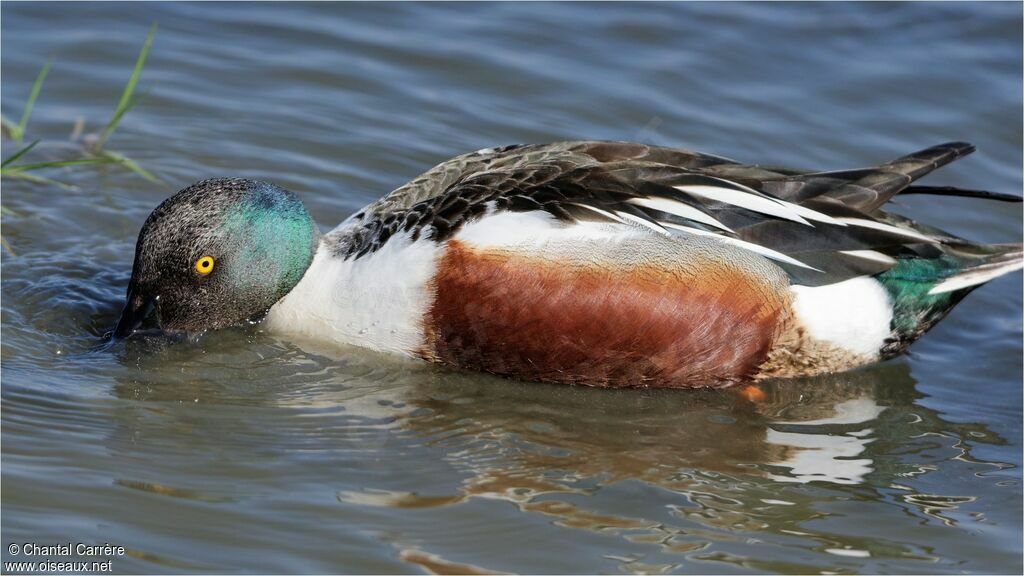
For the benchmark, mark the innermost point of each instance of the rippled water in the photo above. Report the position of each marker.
(245, 452)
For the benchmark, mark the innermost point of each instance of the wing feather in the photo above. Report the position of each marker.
(821, 227)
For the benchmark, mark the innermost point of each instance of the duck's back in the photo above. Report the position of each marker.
(618, 264)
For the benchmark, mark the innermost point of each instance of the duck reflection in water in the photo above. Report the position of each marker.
(713, 466)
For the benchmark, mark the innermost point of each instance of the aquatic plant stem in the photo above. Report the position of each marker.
(127, 101)
(17, 131)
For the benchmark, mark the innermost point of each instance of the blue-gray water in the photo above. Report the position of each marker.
(244, 452)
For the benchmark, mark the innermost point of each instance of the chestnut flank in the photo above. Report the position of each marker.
(592, 323)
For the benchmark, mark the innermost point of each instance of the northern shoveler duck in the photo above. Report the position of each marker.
(597, 263)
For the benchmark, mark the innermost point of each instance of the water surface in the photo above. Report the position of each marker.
(245, 452)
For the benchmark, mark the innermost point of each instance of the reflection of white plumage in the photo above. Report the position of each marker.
(829, 457)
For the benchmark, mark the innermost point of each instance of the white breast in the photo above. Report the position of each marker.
(377, 301)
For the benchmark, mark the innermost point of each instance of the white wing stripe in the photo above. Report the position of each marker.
(766, 252)
(679, 209)
(754, 202)
(872, 255)
(812, 214)
(800, 210)
(604, 213)
(906, 232)
(645, 223)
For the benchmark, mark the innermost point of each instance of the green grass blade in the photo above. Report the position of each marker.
(36, 87)
(58, 164)
(37, 179)
(18, 154)
(7, 246)
(131, 165)
(10, 129)
(135, 100)
(7, 211)
(129, 89)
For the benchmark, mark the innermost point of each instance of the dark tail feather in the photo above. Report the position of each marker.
(920, 163)
(867, 189)
(962, 192)
(894, 177)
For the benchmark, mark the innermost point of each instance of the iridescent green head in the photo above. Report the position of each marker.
(219, 253)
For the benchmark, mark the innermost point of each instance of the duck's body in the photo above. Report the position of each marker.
(621, 264)
(618, 264)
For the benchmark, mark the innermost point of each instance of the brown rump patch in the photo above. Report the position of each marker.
(600, 324)
(796, 355)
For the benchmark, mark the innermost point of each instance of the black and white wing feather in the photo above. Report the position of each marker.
(821, 227)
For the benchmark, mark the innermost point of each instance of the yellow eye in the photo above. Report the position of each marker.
(204, 265)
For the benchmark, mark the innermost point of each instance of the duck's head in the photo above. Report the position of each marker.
(218, 253)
